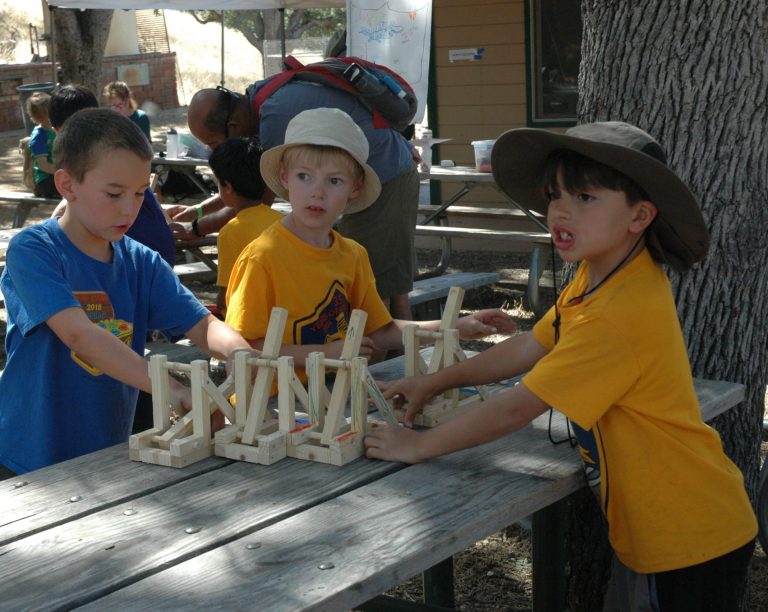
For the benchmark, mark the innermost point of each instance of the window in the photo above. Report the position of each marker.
(554, 46)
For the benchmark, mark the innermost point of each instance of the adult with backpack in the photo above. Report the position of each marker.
(387, 228)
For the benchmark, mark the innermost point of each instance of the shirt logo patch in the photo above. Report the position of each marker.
(99, 310)
(328, 322)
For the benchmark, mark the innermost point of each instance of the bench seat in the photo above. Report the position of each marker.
(24, 202)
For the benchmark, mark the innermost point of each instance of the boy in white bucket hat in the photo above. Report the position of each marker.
(610, 355)
(303, 265)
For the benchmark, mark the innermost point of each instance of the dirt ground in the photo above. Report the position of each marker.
(494, 574)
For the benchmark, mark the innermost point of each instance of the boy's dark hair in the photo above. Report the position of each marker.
(91, 134)
(37, 106)
(579, 172)
(236, 161)
(67, 100)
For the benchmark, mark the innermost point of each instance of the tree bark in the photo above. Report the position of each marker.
(693, 75)
(81, 37)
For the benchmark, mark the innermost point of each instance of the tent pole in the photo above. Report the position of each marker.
(282, 33)
(54, 76)
(222, 49)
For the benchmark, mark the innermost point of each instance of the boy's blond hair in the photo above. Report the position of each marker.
(37, 106)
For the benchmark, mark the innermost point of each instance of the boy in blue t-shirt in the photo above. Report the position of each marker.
(80, 297)
(41, 145)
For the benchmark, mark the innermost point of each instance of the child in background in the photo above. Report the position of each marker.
(80, 298)
(120, 97)
(610, 355)
(304, 265)
(41, 145)
(235, 164)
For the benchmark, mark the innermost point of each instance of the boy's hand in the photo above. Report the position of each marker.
(485, 323)
(332, 350)
(182, 213)
(393, 444)
(181, 396)
(409, 393)
(182, 230)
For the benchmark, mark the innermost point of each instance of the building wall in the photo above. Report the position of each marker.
(161, 89)
(478, 100)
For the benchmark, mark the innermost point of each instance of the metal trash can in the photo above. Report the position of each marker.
(24, 92)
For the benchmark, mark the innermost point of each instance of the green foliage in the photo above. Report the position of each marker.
(258, 25)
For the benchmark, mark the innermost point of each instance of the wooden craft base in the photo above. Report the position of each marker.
(441, 410)
(152, 446)
(269, 446)
(304, 442)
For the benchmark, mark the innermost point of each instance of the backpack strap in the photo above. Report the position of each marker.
(274, 83)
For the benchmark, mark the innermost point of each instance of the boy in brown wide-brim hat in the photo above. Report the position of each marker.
(610, 355)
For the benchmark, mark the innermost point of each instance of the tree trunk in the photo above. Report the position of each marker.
(81, 37)
(692, 74)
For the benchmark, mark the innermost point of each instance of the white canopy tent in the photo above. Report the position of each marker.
(211, 5)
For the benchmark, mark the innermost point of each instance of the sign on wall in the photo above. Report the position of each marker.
(395, 33)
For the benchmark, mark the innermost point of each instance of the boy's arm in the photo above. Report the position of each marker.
(100, 348)
(477, 325)
(332, 350)
(44, 165)
(499, 415)
(216, 337)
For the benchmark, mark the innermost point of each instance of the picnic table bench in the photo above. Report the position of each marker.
(24, 202)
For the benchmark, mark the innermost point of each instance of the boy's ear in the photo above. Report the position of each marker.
(644, 214)
(282, 175)
(64, 182)
(358, 188)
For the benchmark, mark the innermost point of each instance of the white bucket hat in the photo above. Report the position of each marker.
(328, 127)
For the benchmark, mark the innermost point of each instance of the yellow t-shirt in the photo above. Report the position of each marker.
(318, 287)
(237, 233)
(620, 368)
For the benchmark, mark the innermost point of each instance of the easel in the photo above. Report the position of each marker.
(328, 437)
(255, 436)
(445, 352)
(189, 439)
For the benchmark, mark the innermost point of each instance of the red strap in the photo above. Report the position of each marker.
(275, 83)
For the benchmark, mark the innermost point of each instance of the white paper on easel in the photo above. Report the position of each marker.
(395, 33)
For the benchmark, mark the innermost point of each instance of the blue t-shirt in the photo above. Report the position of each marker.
(41, 143)
(53, 405)
(151, 228)
(390, 153)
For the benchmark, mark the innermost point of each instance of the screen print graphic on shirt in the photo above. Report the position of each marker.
(589, 455)
(329, 320)
(99, 310)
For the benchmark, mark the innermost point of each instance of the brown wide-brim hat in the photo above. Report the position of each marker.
(677, 236)
(328, 127)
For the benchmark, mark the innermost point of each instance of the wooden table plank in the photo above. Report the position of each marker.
(81, 560)
(400, 525)
(102, 479)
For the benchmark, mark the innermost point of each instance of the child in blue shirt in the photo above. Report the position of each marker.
(80, 297)
(41, 145)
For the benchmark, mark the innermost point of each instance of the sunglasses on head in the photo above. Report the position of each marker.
(233, 99)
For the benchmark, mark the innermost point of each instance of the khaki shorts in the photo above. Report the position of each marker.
(386, 229)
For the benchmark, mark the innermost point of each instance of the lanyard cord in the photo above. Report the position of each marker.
(556, 324)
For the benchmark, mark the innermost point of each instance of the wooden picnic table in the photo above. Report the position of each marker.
(101, 531)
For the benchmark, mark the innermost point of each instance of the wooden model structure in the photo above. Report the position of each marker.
(189, 439)
(446, 352)
(322, 433)
(255, 435)
(329, 437)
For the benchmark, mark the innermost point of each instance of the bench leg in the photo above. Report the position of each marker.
(549, 590)
(438, 585)
(22, 212)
